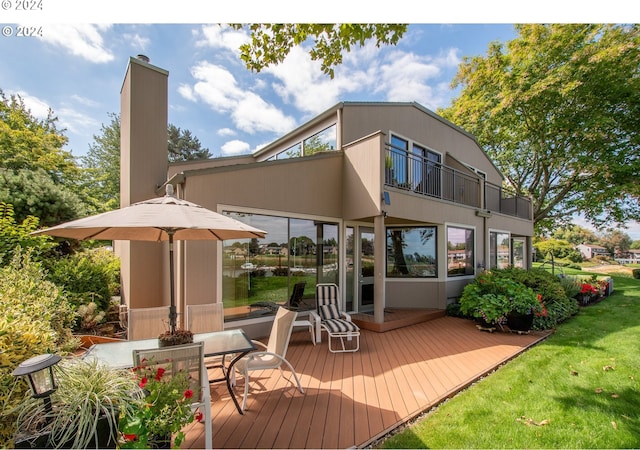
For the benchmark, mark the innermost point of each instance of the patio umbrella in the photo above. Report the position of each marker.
(160, 219)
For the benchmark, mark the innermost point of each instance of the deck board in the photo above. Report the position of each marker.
(352, 399)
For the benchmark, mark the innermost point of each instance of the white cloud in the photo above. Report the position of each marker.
(83, 40)
(224, 132)
(38, 108)
(218, 88)
(301, 82)
(137, 42)
(235, 147)
(76, 121)
(221, 37)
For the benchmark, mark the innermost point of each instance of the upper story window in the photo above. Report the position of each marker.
(324, 141)
(415, 167)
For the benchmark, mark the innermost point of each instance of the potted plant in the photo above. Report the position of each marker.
(178, 337)
(161, 408)
(85, 408)
(492, 299)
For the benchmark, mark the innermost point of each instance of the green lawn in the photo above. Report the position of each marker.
(578, 389)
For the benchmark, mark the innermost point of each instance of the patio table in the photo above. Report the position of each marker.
(217, 343)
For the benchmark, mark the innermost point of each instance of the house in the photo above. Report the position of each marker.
(589, 251)
(395, 204)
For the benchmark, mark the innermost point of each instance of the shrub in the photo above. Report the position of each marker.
(636, 273)
(87, 276)
(35, 318)
(492, 295)
(559, 307)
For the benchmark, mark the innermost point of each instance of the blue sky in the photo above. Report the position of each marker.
(77, 70)
(77, 63)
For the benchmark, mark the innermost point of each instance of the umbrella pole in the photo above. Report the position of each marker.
(173, 315)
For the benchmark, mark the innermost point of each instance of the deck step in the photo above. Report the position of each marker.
(395, 318)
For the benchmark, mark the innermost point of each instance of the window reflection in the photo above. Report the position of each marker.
(411, 252)
(259, 274)
(499, 250)
(460, 257)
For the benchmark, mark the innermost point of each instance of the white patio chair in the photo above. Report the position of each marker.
(273, 357)
(146, 323)
(330, 318)
(204, 319)
(187, 358)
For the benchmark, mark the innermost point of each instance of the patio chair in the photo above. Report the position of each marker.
(273, 357)
(146, 323)
(204, 319)
(188, 358)
(336, 323)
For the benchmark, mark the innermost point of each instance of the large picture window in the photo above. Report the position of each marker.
(411, 252)
(499, 250)
(460, 251)
(259, 274)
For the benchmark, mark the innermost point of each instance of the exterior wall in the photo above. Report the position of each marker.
(418, 124)
(143, 148)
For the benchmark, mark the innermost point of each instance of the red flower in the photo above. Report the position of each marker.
(143, 382)
(159, 373)
(198, 416)
(129, 437)
(188, 393)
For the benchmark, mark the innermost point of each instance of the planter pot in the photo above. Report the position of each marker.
(106, 438)
(519, 322)
(160, 441)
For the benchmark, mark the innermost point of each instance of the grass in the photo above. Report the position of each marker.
(580, 388)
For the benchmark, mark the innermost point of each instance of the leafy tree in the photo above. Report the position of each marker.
(616, 242)
(271, 43)
(558, 110)
(102, 161)
(33, 192)
(102, 164)
(575, 234)
(30, 143)
(185, 147)
(557, 247)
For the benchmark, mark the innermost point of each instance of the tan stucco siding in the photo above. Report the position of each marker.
(415, 294)
(363, 162)
(413, 123)
(311, 185)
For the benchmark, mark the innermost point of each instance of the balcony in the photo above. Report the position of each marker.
(415, 173)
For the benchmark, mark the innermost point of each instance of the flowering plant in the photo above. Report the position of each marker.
(163, 407)
(588, 289)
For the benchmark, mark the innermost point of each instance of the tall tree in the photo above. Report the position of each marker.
(183, 146)
(102, 161)
(271, 43)
(575, 234)
(558, 110)
(27, 142)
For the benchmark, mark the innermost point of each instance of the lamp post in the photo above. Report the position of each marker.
(39, 372)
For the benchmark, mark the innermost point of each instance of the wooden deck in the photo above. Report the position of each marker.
(353, 399)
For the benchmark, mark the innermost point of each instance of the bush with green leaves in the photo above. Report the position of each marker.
(558, 306)
(17, 235)
(492, 296)
(35, 318)
(87, 276)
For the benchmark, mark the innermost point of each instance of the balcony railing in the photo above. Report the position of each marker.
(415, 173)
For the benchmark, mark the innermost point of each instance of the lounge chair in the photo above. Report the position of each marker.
(330, 318)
